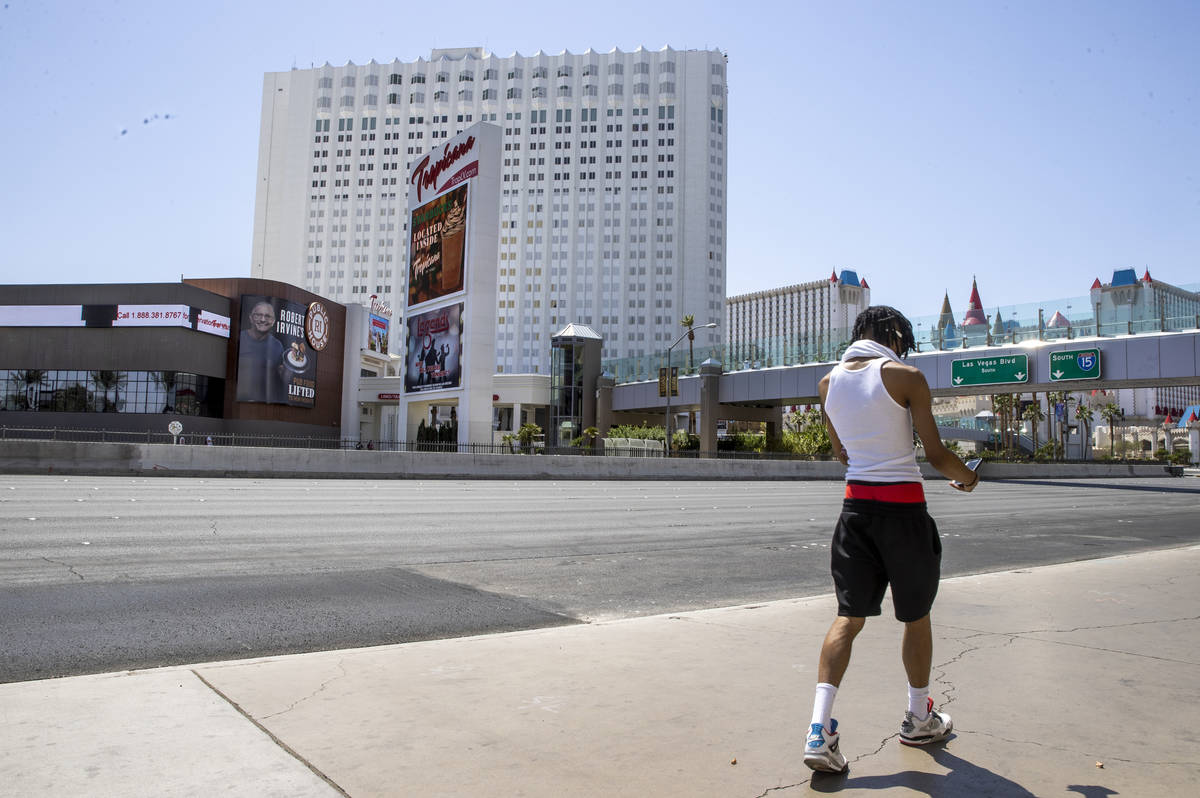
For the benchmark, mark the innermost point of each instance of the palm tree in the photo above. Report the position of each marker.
(107, 381)
(1053, 399)
(1033, 413)
(166, 380)
(688, 321)
(1110, 413)
(1002, 406)
(31, 380)
(1084, 414)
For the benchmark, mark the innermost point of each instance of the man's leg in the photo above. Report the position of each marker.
(917, 652)
(922, 724)
(835, 658)
(835, 651)
(821, 747)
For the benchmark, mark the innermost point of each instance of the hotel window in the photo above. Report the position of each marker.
(417, 97)
(371, 80)
(615, 90)
(564, 91)
(466, 77)
(324, 102)
(537, 92)
(395, 78)
(442, 77)
(516, 73)
(348, 82)
(489, 94)
(491, 74)
(441, 96)
(590, 69)
(641, 68)
(325, 83)
(347, 102)
(540, 72)
(513, 94)
(417, 79)
(564, 71)
(466, 95)
(616, 69)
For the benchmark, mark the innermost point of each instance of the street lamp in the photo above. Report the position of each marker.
(667, 427)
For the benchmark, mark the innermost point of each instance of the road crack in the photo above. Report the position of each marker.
(68, 566)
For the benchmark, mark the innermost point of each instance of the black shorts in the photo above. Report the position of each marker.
(880, 543)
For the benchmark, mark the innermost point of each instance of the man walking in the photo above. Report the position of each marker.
(872, 402)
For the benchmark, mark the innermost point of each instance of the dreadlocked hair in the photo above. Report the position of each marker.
(884, 324)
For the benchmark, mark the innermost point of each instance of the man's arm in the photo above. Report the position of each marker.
(839, 451)
(908, 382)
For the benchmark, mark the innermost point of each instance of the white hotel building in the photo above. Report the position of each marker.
(794, 324)
(613, 205)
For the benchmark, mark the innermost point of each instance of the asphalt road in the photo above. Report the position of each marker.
(107, 573)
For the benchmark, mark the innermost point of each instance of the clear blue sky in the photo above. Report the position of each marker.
(1035, 144)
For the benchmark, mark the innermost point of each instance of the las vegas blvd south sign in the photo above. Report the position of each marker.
(995, 370)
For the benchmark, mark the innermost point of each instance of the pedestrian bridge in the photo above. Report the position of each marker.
(1143, 360)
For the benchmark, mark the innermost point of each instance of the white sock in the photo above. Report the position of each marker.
(918, 701)
(823, 704)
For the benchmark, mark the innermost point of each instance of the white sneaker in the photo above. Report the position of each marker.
(821, 749)
(935, 728)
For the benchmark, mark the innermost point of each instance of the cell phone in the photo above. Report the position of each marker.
(972, 464)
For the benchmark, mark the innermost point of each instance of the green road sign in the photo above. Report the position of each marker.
(1075, 364)
(996, 370)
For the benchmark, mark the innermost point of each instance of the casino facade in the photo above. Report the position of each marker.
(221, 356)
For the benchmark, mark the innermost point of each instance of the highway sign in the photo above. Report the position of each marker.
(1075, 364)
(994, 370)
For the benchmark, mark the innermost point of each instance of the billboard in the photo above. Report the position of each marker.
(437, 249)
(433, 355)
(276, 363)
(114, 316)
(379, 325)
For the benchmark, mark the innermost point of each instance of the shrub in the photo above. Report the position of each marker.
(640, 432)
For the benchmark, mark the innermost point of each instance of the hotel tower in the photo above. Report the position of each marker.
(613, 195)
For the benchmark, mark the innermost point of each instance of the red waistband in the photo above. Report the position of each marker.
(899, 492)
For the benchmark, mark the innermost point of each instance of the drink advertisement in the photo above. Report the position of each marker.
(433, 358)
(436, 250)
(275, 363)
(379, 325)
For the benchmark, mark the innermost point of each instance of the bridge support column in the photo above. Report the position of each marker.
(710, 404)
(604, 412)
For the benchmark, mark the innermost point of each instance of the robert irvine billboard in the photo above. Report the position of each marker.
(277, 350)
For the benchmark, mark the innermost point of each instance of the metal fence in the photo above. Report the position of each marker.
(78, 435)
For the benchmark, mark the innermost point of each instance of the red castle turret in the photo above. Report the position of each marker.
(975, 314)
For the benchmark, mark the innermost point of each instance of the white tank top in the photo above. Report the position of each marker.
(876, 431)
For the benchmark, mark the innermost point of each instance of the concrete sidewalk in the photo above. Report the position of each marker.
(1078, 679)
